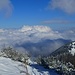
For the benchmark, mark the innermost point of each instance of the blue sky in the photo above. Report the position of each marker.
(16, 13)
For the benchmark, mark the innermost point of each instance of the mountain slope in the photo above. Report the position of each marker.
(67, 48)
(10, 67)
(65, 53)
(62, 60)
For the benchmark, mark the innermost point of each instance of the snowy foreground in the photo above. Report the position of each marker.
(10, 67)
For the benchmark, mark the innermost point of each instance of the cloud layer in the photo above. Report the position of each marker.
(67, 6)
(35, 39)
(6, 7)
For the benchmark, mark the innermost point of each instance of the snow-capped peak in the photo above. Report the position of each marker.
(42, 28)
(25, 28)
(35, 28)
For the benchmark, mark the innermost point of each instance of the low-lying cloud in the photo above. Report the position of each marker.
(67, 6)
(6, 7)
(35, 39)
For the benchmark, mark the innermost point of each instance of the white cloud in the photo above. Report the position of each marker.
(39, 32)
(6, 7)
(31, 34)
(34, 35)
(67, 6)
(69, 34)
(35, 28)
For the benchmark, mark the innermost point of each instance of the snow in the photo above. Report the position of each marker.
(10, 67)
(72, 51)
(34, 71)
(25, 28)
(36, 28)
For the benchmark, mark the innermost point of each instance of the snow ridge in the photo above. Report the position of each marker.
(10, 67)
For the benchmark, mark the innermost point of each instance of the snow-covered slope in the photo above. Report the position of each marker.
(67, 48)
(10, 67)
(66, 53)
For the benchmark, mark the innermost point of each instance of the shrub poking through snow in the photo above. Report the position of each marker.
(13, 54)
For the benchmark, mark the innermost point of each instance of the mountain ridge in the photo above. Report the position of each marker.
(63, 48)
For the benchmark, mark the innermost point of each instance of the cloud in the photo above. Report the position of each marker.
(67, 6)
(35, 39)
(28, 33)
(39, 32)
(6, 7)
(58, 22)
(69, 34)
